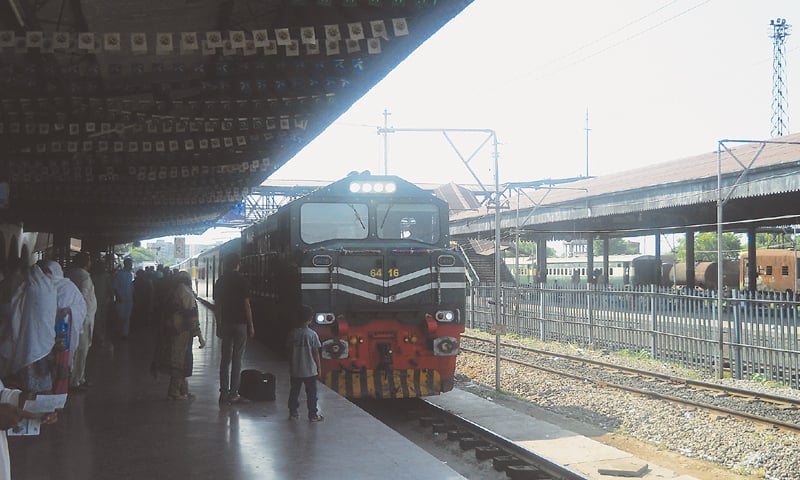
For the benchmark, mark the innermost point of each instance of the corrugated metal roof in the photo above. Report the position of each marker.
(122, 120)
(685, 188)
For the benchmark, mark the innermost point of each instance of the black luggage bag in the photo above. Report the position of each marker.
(257, 386)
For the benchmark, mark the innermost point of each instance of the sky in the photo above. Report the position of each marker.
(660, 79)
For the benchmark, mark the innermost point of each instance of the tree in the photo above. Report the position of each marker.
(527, 248)
(617, 246)
(774, 240)
(140, 255)
(705, 247)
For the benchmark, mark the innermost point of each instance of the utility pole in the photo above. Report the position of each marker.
(780, 30)
(386, 141)
(587, 141)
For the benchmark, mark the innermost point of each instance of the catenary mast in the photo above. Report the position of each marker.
(780, 120)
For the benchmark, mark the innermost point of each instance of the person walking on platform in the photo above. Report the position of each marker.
(175, 338)
(143, 292)
(234, 325)
(304, 365)
(104, 293)
(123, 289)
(79, 274)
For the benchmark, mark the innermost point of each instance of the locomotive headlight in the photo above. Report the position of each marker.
(370, 187)
(445, 346)
(324, 318)
(445, 316)
(335, 348)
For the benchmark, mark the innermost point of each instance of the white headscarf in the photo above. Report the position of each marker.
(33, 314)
(69, 296)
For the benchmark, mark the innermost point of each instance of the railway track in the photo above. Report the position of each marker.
(771, 410)
(472, 450)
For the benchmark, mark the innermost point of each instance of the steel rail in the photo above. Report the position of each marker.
(793, 427)
(741, 392)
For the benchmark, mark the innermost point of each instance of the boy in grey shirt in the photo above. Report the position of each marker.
(304, 367)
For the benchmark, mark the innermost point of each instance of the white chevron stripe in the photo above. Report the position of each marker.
(342, 271)
(360, 293)
(410, 293)
(409, 276)
(314, 270)
(342, 288)
(452, 270)
(377, 298)
(359, 276)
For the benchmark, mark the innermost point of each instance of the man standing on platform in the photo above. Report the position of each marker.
(79, 274)
(234, 325)
(123, 289)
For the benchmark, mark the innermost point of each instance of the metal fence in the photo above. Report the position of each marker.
(757, 337)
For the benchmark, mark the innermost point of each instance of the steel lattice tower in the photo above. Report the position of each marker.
(780, 30)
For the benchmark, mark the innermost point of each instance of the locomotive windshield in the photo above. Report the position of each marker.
(330, 221)
(409, 221)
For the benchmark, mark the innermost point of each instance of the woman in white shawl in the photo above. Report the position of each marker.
(33, 352)
(27, 344)
(70, 305)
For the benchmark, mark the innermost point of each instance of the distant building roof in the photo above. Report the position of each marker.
(457, 197)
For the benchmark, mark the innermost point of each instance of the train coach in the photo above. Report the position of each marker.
(777, 270)
(371, 255)
(705, 275)
(206, 267)
(623, 270)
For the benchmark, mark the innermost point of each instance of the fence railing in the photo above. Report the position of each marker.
(757, 337)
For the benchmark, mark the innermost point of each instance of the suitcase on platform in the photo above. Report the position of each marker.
(257, 386)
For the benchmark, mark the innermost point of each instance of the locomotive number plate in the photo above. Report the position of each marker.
(378, 272)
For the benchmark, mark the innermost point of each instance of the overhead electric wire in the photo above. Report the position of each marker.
(609, 47)
(597, 40)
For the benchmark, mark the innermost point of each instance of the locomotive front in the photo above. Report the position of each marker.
(387, 291)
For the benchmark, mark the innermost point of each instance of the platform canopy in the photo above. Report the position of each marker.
(122, 120)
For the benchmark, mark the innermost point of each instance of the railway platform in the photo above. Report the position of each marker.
(123, 427)
(582, 454)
